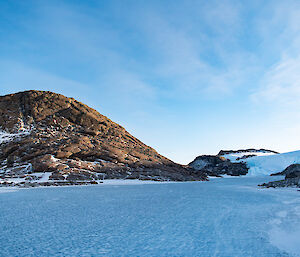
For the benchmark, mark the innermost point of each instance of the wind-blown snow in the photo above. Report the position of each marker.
(223, 217)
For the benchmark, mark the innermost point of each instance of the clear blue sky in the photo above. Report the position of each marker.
(185, 77)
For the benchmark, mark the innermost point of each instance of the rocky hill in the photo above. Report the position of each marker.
(217, 165)
(50, 139)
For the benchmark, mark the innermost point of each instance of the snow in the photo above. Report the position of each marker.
(285, 233)
(14, 180)
(234, 156)
(223, 217)
(266, 163)
(7, 137)
(45, 176)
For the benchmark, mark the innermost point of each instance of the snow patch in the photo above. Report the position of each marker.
(235, 156)
(45, 176)
(7, 137)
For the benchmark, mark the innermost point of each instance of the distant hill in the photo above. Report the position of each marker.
(44, 132)
(231, 162)
(235, 155)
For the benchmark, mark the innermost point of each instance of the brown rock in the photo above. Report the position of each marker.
(66, 128)
(44, 163)
(63, 154)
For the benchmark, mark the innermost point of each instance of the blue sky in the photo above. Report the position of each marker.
(185, 77)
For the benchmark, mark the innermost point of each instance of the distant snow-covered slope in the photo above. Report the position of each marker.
(239, 155)
(7, 137)
(266, 163)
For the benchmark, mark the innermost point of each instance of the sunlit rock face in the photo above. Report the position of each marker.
(43, 132)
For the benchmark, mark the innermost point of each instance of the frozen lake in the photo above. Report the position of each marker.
(223, 217)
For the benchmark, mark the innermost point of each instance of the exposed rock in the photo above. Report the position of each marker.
(292, 171)
(292, 177)
(44, 163)
(288, 182)
(245, 157)
(216, 166)
(77, 174)
(262, 150)
(56, 176)
(48, 132)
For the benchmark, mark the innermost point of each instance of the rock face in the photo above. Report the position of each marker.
(46, 132)
(217, 165)
(292, 177)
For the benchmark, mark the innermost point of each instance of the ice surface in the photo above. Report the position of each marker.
(223, 217)
(285, 233)
(7, 190)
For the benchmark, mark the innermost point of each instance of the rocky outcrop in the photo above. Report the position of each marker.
(250, 150)
(45, 132)
(292, 177)
(245, 156)
(291, 171)
(217, 165)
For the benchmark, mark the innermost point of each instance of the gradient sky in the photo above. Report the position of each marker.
(185, 77)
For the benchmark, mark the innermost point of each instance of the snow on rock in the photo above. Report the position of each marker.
(239, 155)
(268, 163)
(263, 162)
(7, 137)
(285, 231)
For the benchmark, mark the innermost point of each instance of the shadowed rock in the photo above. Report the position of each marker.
(217, 165)
(292, 177)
